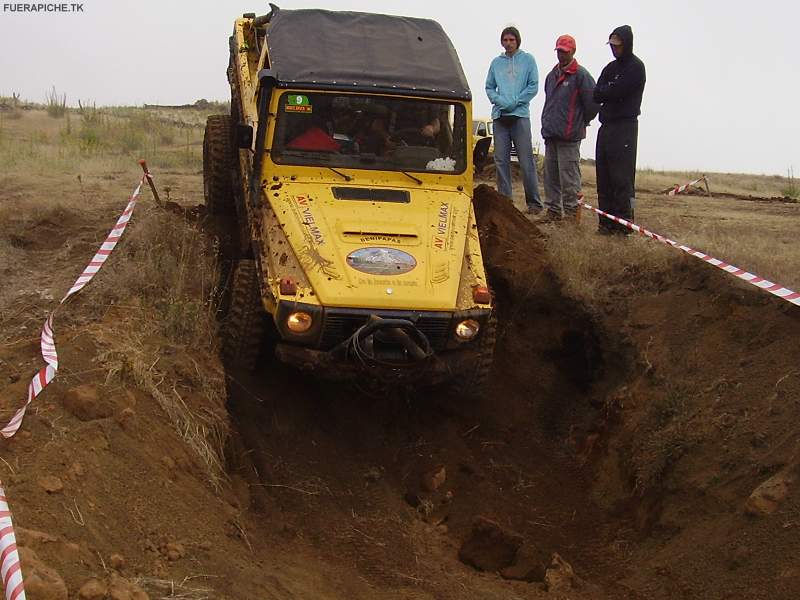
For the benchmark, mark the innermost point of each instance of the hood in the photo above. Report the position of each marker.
(376, 247)
(625, 33)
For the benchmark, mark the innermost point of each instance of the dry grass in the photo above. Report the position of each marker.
(148, 307)
(720, 183)
(90, 139)
(791, 189)
(158, 328)
(164, 589)
(56, 104)
(590, 266)
(756, 236)
(652, 181)
(165, 265)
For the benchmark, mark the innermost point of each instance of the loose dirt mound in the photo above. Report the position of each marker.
(550, 331)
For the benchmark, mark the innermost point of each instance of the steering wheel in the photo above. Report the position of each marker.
(407, 131)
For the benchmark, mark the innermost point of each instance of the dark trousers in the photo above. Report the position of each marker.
(616, 172)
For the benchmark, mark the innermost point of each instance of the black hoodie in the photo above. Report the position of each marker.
(621, 84)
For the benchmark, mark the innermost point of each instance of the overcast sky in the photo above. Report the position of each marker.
(722, 83)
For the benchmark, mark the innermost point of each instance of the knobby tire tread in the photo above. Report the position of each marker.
(218, 166)
(473, 383)
(244, 327)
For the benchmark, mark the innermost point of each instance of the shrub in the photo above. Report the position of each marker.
(56, 105)
(791, 189)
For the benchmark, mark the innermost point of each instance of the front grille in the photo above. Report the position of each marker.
(371, 194)
(341, 324)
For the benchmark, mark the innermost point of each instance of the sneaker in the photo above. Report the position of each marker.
(533, 210)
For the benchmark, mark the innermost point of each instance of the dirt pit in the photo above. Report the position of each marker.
(613, 457)
(392, 487)
(645, 450)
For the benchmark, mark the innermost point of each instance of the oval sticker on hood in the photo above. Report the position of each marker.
(381, 261)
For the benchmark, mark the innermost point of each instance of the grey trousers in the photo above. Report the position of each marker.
(562, 176)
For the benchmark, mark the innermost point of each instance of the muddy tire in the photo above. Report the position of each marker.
(473, 382)
(219, 162)
(243, 328)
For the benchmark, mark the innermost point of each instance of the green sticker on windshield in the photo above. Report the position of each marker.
(298, 103)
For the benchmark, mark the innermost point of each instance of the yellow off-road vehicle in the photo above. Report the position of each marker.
(345, 177)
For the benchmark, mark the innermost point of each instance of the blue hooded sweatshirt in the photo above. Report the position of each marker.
(511, 84)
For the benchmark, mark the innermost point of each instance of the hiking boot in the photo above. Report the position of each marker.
(550, 217)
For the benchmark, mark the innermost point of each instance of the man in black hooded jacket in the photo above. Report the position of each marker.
(619, 92)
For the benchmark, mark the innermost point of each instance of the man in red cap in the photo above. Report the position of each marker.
(568, 109)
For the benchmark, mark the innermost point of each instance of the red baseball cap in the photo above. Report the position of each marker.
(566, 43)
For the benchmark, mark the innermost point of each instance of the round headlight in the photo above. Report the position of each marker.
(467, 329)
(299, 322)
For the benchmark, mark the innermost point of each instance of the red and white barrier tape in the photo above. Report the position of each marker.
(10, 569)
(761, 283)
(49, 354)
(680, 188)
(9, 557)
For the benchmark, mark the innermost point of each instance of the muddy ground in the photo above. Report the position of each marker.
(614, 457)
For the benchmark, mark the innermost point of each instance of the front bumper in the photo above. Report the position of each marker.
(439, 368)
(390, 346)
(332, 326)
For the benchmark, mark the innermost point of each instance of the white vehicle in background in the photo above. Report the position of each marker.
(482, 128)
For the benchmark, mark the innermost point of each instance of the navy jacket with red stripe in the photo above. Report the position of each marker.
(568, 105)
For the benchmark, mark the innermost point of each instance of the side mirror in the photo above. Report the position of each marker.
(244, 137)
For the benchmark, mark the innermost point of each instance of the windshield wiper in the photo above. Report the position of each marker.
(410, 176)
(344, 175)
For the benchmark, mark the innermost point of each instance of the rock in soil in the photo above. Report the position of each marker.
(529, 565)
(51, 484)
(490, 547)
(768, 496)
(560, 576)
(120, 588)
(117, 562)
(86, 403)
(432, 480)
(93, 590)
(41, 582)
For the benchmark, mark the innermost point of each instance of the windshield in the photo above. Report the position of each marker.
(370, 132)
(482, 128)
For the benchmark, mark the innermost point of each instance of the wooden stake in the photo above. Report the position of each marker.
(149, 178)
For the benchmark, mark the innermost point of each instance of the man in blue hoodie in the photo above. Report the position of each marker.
(511, 84)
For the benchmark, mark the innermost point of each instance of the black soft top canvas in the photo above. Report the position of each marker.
(364, 52)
